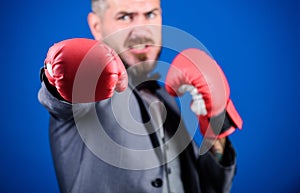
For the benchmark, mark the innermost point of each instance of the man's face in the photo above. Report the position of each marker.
(133, 29)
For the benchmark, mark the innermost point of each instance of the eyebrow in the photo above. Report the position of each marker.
(153, 10)
(132, 12)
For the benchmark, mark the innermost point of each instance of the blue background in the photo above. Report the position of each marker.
(257, 43)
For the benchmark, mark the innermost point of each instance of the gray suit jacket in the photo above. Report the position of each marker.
(111, 146)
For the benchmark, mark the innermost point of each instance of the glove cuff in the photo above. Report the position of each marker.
(221, 125)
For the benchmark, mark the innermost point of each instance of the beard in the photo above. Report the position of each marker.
(143, 68)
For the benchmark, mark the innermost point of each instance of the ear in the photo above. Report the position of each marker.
(94, 22)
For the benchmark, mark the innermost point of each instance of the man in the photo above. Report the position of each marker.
(132, 140)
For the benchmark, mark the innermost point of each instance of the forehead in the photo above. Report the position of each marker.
(133, 5)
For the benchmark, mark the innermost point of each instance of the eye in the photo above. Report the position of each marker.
(125, 17)
(151, 15)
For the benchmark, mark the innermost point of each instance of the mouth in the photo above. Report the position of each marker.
(139, 48)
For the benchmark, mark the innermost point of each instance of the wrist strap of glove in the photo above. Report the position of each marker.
(221, 125)
(49, 86)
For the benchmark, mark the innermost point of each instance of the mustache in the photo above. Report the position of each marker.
(132, 41)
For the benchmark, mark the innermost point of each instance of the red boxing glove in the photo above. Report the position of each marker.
(84, 70)
(198, 70)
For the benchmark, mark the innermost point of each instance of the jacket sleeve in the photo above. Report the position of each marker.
(215, 176)
(56, 106)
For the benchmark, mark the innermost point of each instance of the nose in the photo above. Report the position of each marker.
(140, 31)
